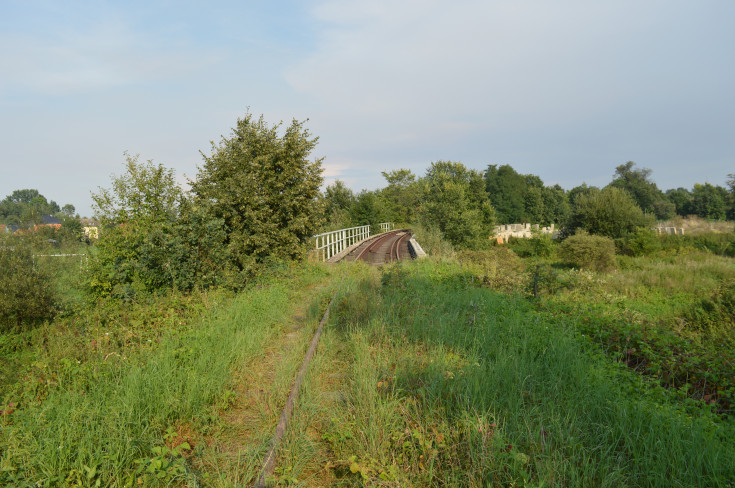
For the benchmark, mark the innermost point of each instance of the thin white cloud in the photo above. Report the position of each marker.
(484, 80)
(107, 55)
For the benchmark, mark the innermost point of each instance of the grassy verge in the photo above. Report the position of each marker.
(119, 412)
(451, 384)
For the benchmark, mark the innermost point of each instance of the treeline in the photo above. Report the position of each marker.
(256, 201)
(450, 198)
(253, 205)
(24, 207)
(446, 197)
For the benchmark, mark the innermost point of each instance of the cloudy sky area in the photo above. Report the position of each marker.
(566, 90)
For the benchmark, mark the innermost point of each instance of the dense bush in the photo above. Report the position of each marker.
(540, 245)
(610, 212)
(719, 243)
(265, 188)
(456, 203)
(432, 241)
(643, 242)
(26, 295)
(499, 268)
(154, 238)
(596, 253)
(715, 315)
(135, 258)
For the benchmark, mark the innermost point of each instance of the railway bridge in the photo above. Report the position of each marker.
(356, 243)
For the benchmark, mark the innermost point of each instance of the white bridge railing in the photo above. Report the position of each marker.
(330, 243)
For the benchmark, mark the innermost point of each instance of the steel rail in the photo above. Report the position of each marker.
(375, 243)
(395, 253)
(401, 240)
(269, 462)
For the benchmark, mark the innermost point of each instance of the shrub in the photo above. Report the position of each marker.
(432, 241)
(716, 314)
(135, 258)
(540, 245)
(264, 188)
(499, 268)
(643, 242)
(26, 296)
(608, 212)
(596, 253)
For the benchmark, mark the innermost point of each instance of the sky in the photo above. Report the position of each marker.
(566, 90)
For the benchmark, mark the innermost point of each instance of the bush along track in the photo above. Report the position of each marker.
(144, 418)
(450, 384)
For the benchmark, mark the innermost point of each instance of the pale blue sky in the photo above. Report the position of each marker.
(566, 90)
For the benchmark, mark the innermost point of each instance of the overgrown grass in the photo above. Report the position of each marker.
(113, 414)
(452, 384)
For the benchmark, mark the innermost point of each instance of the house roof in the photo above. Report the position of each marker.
(50, 220)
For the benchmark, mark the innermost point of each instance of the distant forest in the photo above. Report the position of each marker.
(459, 201)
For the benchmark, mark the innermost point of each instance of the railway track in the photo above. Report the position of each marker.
(386, 248)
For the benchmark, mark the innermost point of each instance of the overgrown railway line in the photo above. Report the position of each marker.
(384, 248)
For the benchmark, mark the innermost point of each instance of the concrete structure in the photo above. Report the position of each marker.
(503, 232)
(674, 231)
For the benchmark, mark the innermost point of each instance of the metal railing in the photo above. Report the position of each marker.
(330, 243)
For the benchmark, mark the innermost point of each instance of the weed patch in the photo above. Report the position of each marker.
(452, 384)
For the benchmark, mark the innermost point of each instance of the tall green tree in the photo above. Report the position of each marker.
(519, 198)
(708, 201)
(533, 203)
(265, 188)
(681, 198)
(26, 207)
(145, 193)
(580, 190)
(637, 182)
(506, 189)
(369, 209)
(610, 212)
(454, 201)
(338, 200)
(400, 195)
(556, 205)
(153, 238)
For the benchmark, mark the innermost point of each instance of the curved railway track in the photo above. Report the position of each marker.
(385, 248)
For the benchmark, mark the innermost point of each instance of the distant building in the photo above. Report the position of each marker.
(90, 228)
(48, 221)
(523, 231)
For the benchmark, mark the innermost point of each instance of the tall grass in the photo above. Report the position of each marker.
(454, 385)
(102, 417)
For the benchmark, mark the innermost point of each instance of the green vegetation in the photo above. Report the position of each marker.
(25, 298)
(162, 353)
(28, 206)
(524, 198)
(154, 239)
(455, 202)
(646, 194)
(451, 384)
(589, 252)
(108, 402)
(609, 212)
(265, 189)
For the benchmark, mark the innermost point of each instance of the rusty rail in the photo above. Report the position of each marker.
(269, 462)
